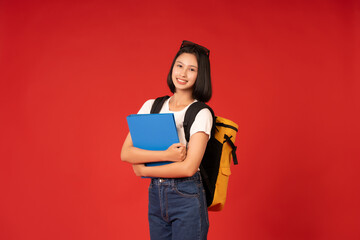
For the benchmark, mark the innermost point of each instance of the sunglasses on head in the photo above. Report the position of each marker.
(191, 44)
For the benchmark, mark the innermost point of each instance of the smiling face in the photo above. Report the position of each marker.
(185, 71)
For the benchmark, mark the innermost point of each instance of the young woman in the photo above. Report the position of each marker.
(177, 204)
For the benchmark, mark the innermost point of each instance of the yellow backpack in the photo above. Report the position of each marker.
(215, 165)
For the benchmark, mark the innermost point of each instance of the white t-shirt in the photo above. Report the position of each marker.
(202, 123)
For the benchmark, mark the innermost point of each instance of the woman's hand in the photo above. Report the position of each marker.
(176, 152)
(138, 169)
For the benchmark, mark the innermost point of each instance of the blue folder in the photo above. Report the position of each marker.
(156, 132)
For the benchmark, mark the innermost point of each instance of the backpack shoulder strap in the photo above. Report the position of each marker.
(158, 103)
(190, 115)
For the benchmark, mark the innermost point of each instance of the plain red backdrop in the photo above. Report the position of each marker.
(286, 71)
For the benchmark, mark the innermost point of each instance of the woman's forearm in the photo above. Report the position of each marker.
(134, 155)
(173, 170)
(186, 168)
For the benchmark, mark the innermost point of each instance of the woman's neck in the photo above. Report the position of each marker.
(179, 101)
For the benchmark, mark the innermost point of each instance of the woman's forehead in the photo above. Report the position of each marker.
(187, 59)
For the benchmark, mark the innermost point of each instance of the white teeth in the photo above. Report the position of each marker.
(181, 80)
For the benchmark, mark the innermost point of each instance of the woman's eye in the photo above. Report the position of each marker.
(179, 65)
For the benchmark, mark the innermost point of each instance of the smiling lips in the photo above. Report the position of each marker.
(181, 81)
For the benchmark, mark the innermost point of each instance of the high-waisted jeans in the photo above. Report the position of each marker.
(177, 209)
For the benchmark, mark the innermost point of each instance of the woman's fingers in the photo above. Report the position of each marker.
(177, 152)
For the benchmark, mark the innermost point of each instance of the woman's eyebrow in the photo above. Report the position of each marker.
(186, 65)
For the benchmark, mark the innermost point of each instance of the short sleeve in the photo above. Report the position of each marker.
(203, 122)
(146, 107)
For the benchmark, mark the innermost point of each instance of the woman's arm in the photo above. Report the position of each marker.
(186, 168)
(131, 154)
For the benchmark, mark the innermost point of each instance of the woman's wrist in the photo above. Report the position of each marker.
(164, 156)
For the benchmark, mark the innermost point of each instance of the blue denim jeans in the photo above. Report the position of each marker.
(177, 209)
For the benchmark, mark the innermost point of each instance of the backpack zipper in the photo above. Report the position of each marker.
(227, 126)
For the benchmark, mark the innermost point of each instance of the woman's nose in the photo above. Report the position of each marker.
(183, 72)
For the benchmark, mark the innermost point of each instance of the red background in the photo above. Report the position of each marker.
(286, 71)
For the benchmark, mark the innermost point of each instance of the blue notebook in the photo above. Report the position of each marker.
(156, 132)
